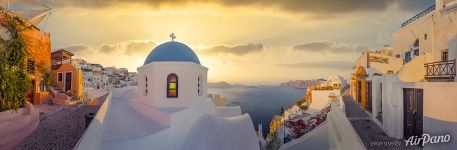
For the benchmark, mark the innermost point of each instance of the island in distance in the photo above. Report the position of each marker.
(225, 85)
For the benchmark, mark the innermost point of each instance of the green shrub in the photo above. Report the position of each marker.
(14, 82)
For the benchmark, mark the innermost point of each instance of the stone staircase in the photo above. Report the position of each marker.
(58, 97)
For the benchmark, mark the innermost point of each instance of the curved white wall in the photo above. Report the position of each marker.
(92, 137)
(223, 112)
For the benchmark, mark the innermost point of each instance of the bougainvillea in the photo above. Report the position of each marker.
(300, 127)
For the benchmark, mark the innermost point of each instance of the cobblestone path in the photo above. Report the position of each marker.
(58, 131)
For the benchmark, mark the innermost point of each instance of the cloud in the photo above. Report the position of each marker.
(109, 48)
(235, 50)
(321, 6)
(329, 46)
(139, 47)
(341, 65)
(78, 49)
(136, 47)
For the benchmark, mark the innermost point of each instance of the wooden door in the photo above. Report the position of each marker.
(369, 97)
(359, 91)
(413, 112)
(68, 81)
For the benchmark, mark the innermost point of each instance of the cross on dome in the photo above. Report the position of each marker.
(172, 36)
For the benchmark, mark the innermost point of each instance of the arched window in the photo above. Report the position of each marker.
(172, 86)
(145, 86)
(199, 86)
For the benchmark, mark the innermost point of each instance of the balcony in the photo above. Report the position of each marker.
(443, 70)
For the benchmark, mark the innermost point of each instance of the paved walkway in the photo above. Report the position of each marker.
(60, 130)
(372, 136)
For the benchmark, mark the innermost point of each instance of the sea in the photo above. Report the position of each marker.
(260, 102)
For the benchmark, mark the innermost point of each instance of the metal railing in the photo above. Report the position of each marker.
(418, 16)
(440, 70)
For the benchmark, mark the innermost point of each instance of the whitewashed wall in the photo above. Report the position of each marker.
(92, 137)
(440, 115)
(320, 98)
(187, 73)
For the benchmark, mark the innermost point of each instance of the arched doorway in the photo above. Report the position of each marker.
(358, 86)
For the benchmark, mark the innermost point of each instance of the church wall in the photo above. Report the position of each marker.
(187, 73)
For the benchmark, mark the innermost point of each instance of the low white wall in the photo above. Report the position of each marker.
(151, 112)
(92, 137)
(335, 133)
(213, 133)
(10, 114)
(318, 138)
(224, 112)
(16, 126)
(342, 105)
(320, 98)
(343, 135)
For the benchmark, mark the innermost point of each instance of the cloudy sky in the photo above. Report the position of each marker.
(240, 41)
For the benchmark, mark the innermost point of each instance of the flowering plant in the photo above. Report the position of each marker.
(300, 127)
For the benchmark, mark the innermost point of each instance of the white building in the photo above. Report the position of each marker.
(169, 109)
(411, 90)
(336, 82)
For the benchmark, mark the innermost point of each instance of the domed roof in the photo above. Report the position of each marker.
(172, 51)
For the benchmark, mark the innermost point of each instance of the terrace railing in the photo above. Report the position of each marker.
(443, 70)
(418, 16)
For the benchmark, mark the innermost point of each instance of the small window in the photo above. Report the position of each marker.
(425, 36)
(199, 86)
(60, 77)
(172, 86)
(31, 66)
(397, 56)
(444, 55)
(146, 85)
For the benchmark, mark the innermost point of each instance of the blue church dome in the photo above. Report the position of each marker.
(172, 51)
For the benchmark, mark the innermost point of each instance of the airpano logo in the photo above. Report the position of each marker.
(426, 138)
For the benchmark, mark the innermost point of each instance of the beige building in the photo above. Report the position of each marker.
(410, 89)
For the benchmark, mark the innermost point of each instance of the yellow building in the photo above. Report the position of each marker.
(38, 44)
(359, 86)
(67, 78)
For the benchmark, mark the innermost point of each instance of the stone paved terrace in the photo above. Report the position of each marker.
(372, 136)
(58, 130)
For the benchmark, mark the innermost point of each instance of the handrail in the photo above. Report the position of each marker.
(418, 16)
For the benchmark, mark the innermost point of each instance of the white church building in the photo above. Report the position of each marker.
(169, 109)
